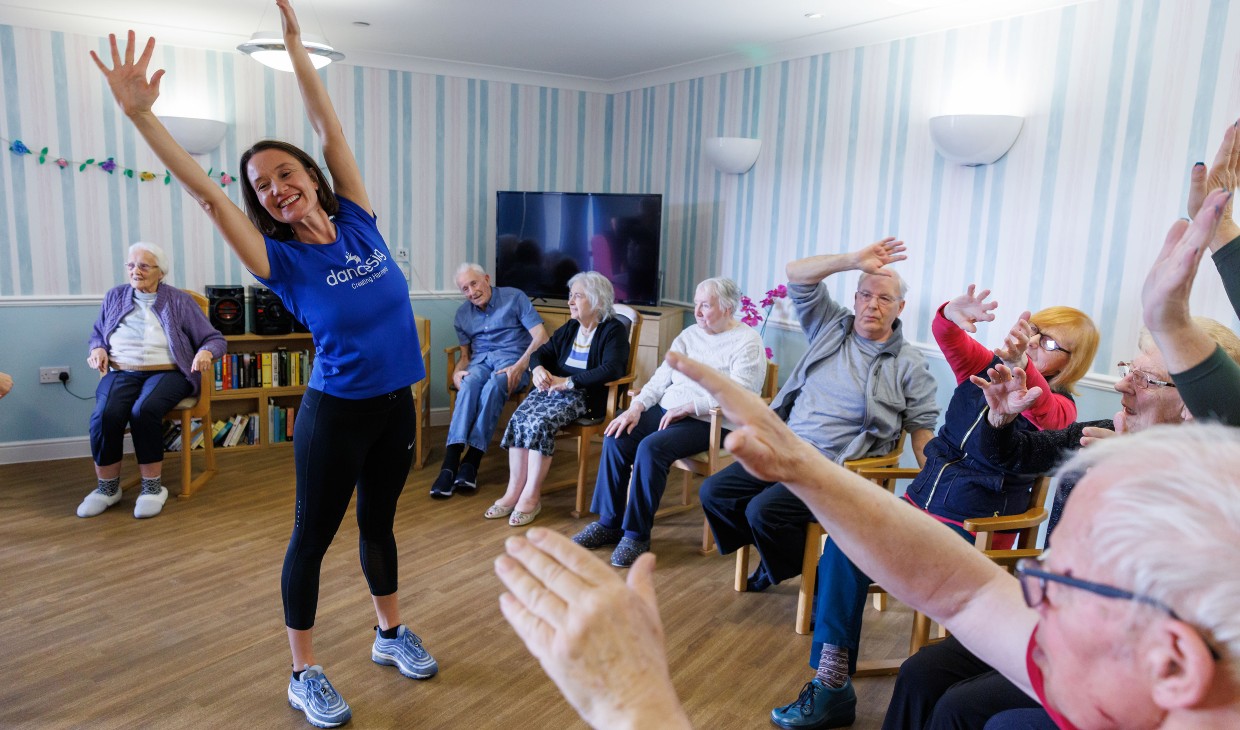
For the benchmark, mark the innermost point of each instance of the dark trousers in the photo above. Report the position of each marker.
(138, 400)
(744, 510)
(338, 444)
(945, 686)
(646, 453)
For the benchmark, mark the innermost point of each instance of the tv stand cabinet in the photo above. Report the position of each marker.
(660, 325)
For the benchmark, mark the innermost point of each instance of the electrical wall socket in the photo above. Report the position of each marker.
(402, 254)
(52, 375)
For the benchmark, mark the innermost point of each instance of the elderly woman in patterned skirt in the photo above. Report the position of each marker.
(570, 373)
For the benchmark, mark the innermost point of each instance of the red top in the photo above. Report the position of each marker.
(1035, 679)
(967, 356)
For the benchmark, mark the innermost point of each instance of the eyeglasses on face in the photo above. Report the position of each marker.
(1046, 342)
(140, 267)
(1142, 379)
(1034, 579)
(884, 300)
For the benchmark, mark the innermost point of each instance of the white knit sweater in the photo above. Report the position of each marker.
(737, 353)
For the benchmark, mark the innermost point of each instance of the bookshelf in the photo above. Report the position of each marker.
(229, 402)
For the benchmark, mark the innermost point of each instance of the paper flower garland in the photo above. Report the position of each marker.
(109, 165)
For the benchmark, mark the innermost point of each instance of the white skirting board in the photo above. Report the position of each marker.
(71, 447)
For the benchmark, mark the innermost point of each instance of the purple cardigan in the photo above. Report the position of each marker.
(185, 326)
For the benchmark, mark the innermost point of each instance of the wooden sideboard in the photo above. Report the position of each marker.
(660, 325)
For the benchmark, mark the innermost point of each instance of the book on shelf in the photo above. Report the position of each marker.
(234, 436)
(222, 434)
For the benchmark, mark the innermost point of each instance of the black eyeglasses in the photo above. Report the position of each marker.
(1033, 580)
(1050, 344)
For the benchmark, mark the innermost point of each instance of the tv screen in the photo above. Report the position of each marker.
(543, 239)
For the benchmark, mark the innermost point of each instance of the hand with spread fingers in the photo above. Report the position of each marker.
(1005, 394)
(1013, 350)
(969, 308)
(1164, 296)
(599, 638)
(1223, 173)
(873, 258)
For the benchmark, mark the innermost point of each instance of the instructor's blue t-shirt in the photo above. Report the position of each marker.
(355, 301)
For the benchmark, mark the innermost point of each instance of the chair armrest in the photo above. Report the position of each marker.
(1031, 518)
(890, 472)
(202, 409)
(453, 353)
(1007, 558)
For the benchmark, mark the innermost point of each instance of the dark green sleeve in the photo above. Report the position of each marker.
(1211, 389)
(1227, 261)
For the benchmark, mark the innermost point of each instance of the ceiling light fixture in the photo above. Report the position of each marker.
(813, 16)
(267, 47)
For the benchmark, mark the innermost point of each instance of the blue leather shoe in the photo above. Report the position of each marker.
(818, 707)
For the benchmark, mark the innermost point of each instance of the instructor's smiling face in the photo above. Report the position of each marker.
(285, 188)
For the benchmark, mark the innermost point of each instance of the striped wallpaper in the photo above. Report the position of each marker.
(1119, 98)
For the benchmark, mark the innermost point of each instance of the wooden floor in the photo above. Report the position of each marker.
(175, 622)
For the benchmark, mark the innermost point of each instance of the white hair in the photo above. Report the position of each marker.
(1168, 526)
(901, 284)
(726, 292)
(598, 290)
(469, 268)
(161, 260)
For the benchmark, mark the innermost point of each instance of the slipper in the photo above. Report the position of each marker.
(520, 519)
(496, 511)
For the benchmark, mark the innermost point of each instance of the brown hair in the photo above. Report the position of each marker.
(258, 215)
(1077, 333)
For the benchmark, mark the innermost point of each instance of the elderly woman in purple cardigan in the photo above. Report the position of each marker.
(149, 342)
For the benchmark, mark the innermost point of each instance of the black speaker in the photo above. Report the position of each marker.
(227, 308)
(267, 313)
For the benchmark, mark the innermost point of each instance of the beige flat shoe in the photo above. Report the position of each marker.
(520, 519)
(496, 511)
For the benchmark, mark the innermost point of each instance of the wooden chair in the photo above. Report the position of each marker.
(715, 457)
(422, 395)
(194, 407)
(1027, 524)
(586, 429)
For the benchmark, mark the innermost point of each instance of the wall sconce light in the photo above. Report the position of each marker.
(197, 136)
(733, 155)
(974, 139)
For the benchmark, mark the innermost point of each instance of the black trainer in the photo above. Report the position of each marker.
(442, 488)
(466, 478)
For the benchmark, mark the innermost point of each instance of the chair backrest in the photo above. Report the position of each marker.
(201, 301)
(770, 386)
(632, 321)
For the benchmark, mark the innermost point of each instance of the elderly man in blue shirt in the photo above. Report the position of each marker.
(498, 330)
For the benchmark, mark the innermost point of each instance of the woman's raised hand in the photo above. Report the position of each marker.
(970, 308)
(288, 20)
(127, 78)
(1012, 351)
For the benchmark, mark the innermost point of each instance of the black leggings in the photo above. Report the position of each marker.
(339, 443)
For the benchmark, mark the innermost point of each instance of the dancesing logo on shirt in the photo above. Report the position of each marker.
(362, 272)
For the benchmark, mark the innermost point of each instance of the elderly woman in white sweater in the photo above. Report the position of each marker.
(668, 420)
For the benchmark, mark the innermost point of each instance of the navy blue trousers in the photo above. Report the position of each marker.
(139, 399)
(744, 510)
(646, 453)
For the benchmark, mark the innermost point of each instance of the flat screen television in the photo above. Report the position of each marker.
(543, 239)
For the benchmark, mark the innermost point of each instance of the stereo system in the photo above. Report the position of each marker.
(268, 316)
(226, 308)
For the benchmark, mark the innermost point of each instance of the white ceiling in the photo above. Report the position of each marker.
(596, 45)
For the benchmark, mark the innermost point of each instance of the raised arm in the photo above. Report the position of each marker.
(964, 354)
(1223, 173)
(870, 259)
(906, 551)
(136, 94)
(346, 175)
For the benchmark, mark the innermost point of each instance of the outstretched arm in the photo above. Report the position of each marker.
(1223, 173)
(870, 259)
(905, 550)
(136, 94)
(346, 175)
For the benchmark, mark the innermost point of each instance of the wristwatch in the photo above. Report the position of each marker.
(568, 383)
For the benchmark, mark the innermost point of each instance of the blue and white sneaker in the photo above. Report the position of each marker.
(405, 652)
(314, 695)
